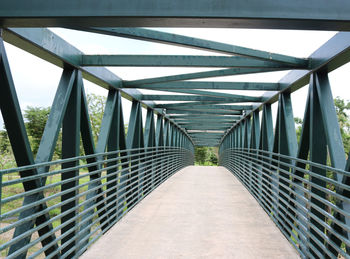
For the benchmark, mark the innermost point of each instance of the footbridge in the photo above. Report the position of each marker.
(134, 192)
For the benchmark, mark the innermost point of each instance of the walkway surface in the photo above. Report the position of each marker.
(200, 212)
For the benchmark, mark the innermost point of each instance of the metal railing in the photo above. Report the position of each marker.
(303, 198)
(104, 188)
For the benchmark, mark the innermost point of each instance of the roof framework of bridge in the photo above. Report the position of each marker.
(198, 107)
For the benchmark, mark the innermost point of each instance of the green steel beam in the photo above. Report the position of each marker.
(71, 148)
(199, 75)
(180, 61)
(200, 135)
(335, 148)
(199, 127)
(204, 93)
(196, 105)
(256, 86)
(191, 42)
(206, 141)
(208, 123)
(149, 129)
(331, 55)
(134, 139)
(229, 117)
(201, 130)
(45, 44)
(156, 97)
(159, 131)
(203, 121)
(23, 155)
(219, 112)
(218, 108)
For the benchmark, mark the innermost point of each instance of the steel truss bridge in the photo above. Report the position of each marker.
(304, 186)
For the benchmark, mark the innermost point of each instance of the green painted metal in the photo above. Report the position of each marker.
(256, 86)
(44, 154)
(206, 93)
(278, 179)
(239, 99)
(14, 123)
(180, 61)
(285, 143)
(269, 15)
(201, 111)
(71, 148)
(50, 47)
(207, 74)
(198, 106)
(185, 41)
(305, 197)
(150, 141)
(176, 154)
(203, 116)
(159, 131)
(134, 139)
(166, 132)
(334, 144)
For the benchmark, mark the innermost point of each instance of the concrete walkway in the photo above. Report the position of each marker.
(200, 212)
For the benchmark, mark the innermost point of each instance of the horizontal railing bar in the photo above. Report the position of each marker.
(146, 176)
(258, 171)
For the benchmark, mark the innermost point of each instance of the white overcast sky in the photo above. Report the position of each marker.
(36, 80)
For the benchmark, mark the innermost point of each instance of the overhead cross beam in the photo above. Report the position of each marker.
(206, 112)
(181, 61)
(203, 116)
(256, 86)
(50, 47)
(153, 97)
(312, 14)
(198, 75)
(197, 43)
(204, 105)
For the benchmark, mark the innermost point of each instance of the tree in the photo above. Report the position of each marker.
(213, 158)
(96, 105)
(206, 155)
(298, 123)
(200, 154)
(4, 142)
(36, 119)
(342, 108)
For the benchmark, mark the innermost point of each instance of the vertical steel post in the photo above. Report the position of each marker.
(71, 148)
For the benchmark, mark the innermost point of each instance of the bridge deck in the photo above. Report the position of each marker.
(200, 212)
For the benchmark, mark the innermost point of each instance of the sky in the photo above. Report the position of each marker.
(36, 80)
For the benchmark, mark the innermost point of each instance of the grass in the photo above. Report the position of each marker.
(14, 189)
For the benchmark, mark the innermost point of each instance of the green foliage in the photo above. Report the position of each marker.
(206, 155)
(298, 123)
(200, 154)
(342, 108)
(36, 119)
(96, 104)
(5, 145)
